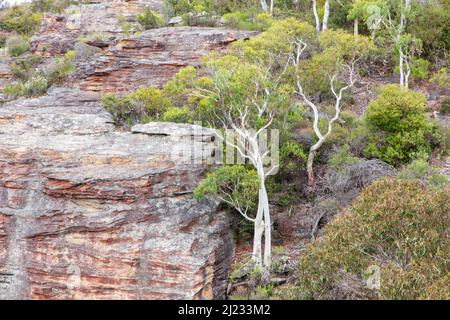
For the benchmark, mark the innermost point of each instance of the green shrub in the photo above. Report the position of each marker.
(149, 19)
(398, 226)
(143, 105)
(247, 20)
(342, 157)
(14, 90)
(3, 38)
(441, 78)
(236, 184)
(56, 6)
(419, 69)
(178, 115)
(16, 46)
(122, 109)
(20, 19)
(398, 129)
(421, 170)
(58, 69)
(445, 106)
(24, 67)
(154, 101)
(199, 19)
(36, 85)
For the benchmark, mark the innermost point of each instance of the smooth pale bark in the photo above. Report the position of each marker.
(355, 27)
(258, 233)
(326, 15)
(316, 15)
(271, 7)
(301, 46)
(403, 60)
(400, 65)
(264, 5)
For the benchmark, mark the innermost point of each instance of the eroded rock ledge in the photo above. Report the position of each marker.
(87, 211)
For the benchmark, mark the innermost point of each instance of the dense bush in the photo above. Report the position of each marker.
(398, 129)
(441, 78)
(20, 19)
(35, 81)
(248, 20)
(149, 19)
(16, 46)
(445, 106)
(143, 105)
(24, 67)
(398, 226)
(34, 86)
(429, 23)
(59, 68)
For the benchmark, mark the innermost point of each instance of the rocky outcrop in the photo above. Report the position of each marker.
(151, 58)
(59, 32)
(87, 211)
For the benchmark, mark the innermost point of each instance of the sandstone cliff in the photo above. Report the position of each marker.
(88, 211)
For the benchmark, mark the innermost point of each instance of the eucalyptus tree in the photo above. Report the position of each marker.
(332, 68)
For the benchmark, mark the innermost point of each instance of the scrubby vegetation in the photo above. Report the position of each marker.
(358, 93)
(399, 130)
(399, 227)
(34, 81)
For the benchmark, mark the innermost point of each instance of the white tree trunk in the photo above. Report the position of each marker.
(355, 28)
(258, 233)
(267, 229)
(316, 15)
(326, 15)
(264, 5)
(407, 73)
(400, 65)
(271, 7)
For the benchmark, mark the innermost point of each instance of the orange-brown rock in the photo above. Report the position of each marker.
(59, 32)
(151, 58)
(89, 212)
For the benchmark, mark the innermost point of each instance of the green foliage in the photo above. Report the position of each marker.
(180, 7)
(235, 185)
(336, 47)
(125, 25)
(248, 20)
(59, 68)
(399, 131)
(16, 46)
(143, 105)
(292, 157)
(35, 82)
(153, 100)
(441, 78)
(429, 23)
(277, 39)
(56, 6)
(36, 85)
(342, 157)
(177, 115)
(445, 106)
(399, 226)
(14, 90)
(421, 170)
(20, 19)
(24, 67)
(149, 19)
(419, 68)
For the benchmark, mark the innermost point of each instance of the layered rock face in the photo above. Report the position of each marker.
(87, 211)
(151, 58)
(91, 211)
